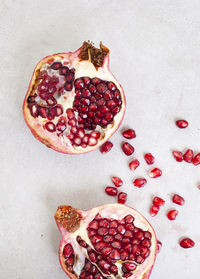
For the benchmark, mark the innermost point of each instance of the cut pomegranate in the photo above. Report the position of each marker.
(139, 182)
(122, 197)
(187, 243)
(172, 214)
(178, 156)
(80, 87)
(178, 199)
(154, 210)
(106, 147)
(129, 134)
(111, 191)
(127, 148)
(158, 201)
(159, 246)
(181, 123)
(90, 249)
(188, 156)
(196, 160)
(149, 158)
(117, 181)
(155, 173)
(134, 164)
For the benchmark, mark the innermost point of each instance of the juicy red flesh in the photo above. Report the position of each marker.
(182, 123)
(134, 164)
(122, 197)
(106, 147)
(129, 134)
(187, 243)
(171, 215)
(188, 156)
(178, 199)
(154, 209)
(196, 160)
(149, 158)
(127, 148)
(155, 173)
(111, 191)
(178, 156)
(139, 182)
(158, 201)
(117, 181)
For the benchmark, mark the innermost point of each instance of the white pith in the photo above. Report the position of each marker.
(115, 211)
(82, 68)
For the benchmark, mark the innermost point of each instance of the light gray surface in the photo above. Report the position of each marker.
(155, 55)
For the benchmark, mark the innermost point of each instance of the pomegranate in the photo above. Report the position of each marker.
(134, 164)
(178, 156)
(111, 191)
(196, 160)
(171, 215)
(111, 240)
(74, 104)
(129, 134)
(182, 123)
(178, 199)
(149, 158)
(139, 182)
(158, 201)
(154, 209)
(122, 197)
(187, 243)
(155, 173)
(117, 181)
(188, 156)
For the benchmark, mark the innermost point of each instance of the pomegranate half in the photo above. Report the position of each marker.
(109, 241)
(74, 103)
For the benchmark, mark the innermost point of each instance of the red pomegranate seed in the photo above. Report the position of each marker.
(159, 246)
(139, 182)
(134, 164)
(117, 181)
(149, 158)
(50, 126)
(129, 134)
(181, 123)
(178, 199)
(172, 214)
(111, 191)
(130, 266)
(188, 156)
(122, 197)
(187, 243)
(178, 156)
(158, 201)
(196, 160)
(155, 173)
(127, 148)
(106, 147)
(154, 210)
(67, 251)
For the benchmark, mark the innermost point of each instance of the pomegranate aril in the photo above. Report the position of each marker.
(111, 191)
(156, 172)
(171, 215)
(127, 148)
(95, 134)
(34, 110)
(187, 243)
(70, 113)
(67, 251)
(178, 199)
(117, 181)
(158, 201)
(115, 255)
(116, 244)
(154, 210)
(188, 156)
(159, 246)
(178, 156)
(130, 266)
(113, 224)
(122, 197)
(56, 65)
(146, 242)
(124, 255)
(63, 70)
(51, 101)
(108, 238)
(196, 160)
(96, 238)
(94, 225)
(106, 251)
(69, 77)
(58, 110)
(139, 182)
(181, 123)
(144, 252)
(149, 158)
(106, 147)
(134, 164)
(50, 126)
(129, 134)
(104, 223)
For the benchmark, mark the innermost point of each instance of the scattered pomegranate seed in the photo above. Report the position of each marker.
(159, 246)
(172, 214)
(198, 186)
(117, 181)
(134, 164)
(139, 182)
(106, 147)
(196, 160)
(122, 197)
(129, 134)
(155, 173)
(178, 156)
(158, 201)
(111, 191)
(178, 199)
(149, 158)
(181, 123)
(187, 243)
(154, 210)
(188, 156)
(127, 148)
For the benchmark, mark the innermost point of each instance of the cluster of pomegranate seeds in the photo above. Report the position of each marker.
(111, 191)
(178, 199)
(129, 134)
(68, 254)
(106, 147)
(139, 182)
(97, 102)
(117, 181)
(134, 164)
(171, 215)
(149, 158)
(154, 173)
(182, 123)
(187, 243)
(187, 157)
(127, 148)
(159, 246)
(155, 207)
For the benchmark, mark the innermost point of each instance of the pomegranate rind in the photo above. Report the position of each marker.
(116, 211)
(53, 141)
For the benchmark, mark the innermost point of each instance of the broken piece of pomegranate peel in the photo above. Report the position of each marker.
(82, 82)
